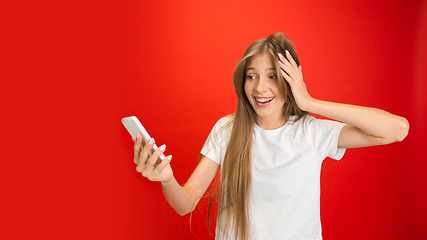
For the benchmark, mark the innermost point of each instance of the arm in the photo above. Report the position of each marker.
(365, 126)
(182, 199)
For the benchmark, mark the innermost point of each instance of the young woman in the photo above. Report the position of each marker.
(271, 150)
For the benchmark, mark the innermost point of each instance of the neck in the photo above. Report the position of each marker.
(270, 124)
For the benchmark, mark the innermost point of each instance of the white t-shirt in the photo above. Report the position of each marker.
(286, 163)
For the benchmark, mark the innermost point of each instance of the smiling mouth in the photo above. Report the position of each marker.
(264, 99)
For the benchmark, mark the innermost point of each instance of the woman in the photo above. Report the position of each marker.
(270, 150)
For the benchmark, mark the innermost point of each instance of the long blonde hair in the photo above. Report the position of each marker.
(235, 180)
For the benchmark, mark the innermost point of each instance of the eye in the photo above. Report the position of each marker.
(273, 77)
(251, 77)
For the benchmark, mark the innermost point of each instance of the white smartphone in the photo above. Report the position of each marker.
(134, 126)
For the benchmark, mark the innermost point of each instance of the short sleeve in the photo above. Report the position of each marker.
(324, 135)
(217, 141)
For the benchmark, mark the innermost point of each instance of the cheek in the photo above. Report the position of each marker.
(281, 99)
(279, 93)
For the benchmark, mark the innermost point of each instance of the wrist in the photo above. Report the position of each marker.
(310, 105)
(167, 182)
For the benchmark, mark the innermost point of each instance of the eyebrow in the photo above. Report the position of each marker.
(251, 68)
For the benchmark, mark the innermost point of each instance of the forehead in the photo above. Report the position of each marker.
(260, 62)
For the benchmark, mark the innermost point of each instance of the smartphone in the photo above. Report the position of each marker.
(133, 125)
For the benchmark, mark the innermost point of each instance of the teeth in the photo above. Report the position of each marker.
(263, 100)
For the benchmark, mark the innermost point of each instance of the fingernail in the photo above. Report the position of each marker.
(137, 136)
(169, 157)
(162, 148)
(282, 71)
(151, 141)
(280, 55)
(280, 62)
(287, 52)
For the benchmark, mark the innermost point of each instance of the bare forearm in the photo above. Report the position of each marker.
(369, 125)
(371, 121)
(177, 197)
(184, 199)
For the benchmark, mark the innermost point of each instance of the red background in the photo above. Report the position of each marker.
(72, 70)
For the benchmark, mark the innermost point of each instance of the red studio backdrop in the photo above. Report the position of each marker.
(72, 70)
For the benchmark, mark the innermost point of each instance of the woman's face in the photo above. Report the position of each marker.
(262, 91)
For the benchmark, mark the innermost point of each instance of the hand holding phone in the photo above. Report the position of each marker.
(134, 126)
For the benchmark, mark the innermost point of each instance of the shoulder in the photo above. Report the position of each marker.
(309, 120)
(302, 122)
(224, 122)
(217, 141)
(222, 127)
(313, 126)
(226, 119)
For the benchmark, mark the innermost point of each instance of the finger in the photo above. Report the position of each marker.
(281, 59)
(290, 58)
(144, 153)
(288, 72)
(281, 64)
(164, 164)
(286, 65)
(147, 168)
(137, 147)
(155, 156)
(290, 67)
(285, 59)
(287, 78)
(155, 174)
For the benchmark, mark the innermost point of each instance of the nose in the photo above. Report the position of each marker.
(262, 85)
